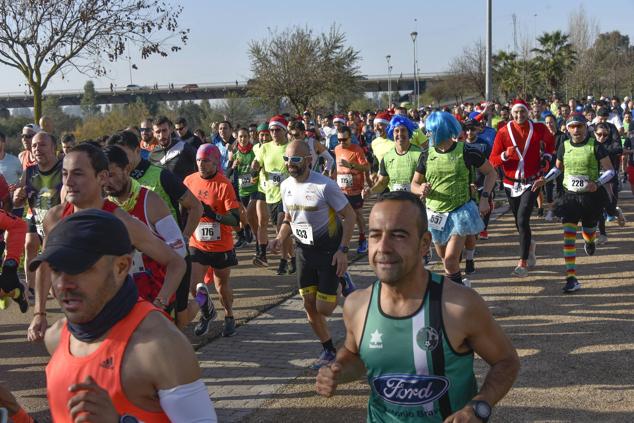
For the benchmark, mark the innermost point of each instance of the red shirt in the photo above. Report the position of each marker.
(541, 140)
(350, 180)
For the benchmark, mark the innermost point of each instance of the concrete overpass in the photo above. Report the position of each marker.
(205, 91)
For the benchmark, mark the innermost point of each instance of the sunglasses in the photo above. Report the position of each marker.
(179, 128)
(145, 129)
(601, 134)
(293, 159)
(28, 136)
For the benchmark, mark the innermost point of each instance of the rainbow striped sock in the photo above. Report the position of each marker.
(589, 234)
(570, 252)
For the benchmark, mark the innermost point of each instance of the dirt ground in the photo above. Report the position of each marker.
(575, 349)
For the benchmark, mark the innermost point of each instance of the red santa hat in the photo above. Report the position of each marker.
(279, 121)
(382, 117)
(340, 118)
(519, 103)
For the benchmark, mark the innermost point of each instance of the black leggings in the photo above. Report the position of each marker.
(522, 208)
(610, 207)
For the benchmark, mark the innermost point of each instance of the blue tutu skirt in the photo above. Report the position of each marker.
(463, 221)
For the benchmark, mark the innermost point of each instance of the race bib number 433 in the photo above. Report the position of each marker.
(207, 231)
(303, 232)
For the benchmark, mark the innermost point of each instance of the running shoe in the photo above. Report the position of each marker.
(469, 267)
(610, 218)
(347, 286)
(207, 310)
(240, 243)
(602, 239)
(21, 299)
(292, 268)
(325, 358)
(590, 248)
(549, 216)
(532, 257)
(229, 328)
(484, 235)
(520, 272)
(620, 217)
(572, 284)
(261, 261)
(282, 269)
(466, 282)
(540, 212)
(363, 247)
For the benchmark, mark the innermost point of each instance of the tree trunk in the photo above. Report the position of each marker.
(37, 102)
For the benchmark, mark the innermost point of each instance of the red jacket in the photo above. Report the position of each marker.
(542, 142)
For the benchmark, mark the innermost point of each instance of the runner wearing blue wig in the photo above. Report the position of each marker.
(444, 182)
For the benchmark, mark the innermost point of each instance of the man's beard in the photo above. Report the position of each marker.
(296, 172)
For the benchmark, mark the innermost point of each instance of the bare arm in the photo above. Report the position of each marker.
(144, 240)
(194, 212)
(380, 185)
(419, 185)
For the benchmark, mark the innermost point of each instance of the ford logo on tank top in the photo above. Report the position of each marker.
(410, 389)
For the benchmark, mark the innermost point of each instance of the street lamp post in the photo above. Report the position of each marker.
(389, 81)
(414, 35)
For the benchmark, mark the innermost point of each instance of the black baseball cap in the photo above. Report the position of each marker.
(79, 240)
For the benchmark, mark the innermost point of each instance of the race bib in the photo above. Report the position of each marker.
(344, 180)
(518, 189)
(436, 220)
(137, 263)
(401, 187)
(244, 181)
(208, 231)
(303, 232)
(276, 178)
(578, 183)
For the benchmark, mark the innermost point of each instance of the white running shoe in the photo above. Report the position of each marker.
(466, 282)
(602, 239)
(520, 272)
(620, 217)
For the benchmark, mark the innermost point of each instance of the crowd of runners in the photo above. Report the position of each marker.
(132, 234)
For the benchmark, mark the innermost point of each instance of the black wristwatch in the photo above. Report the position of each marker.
(126, 418)
(481, 409)
(344, 249)
(485, 194)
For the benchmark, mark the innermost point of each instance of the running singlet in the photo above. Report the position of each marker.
(218, 193)
(153, 177)
(271, 159)
(108, 206)
(449, 178)
(246, 185)
(148, 274)
(43, 191)
(400, 168)
(16, 229)
(261, 176)
(380, 147)
(313, 206)
(103, 365)
(350, 180)
(413, 372)
(580, 165)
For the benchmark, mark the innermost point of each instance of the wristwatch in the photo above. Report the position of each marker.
(481, 409)
(344, 249)
(485, 194)
(126, 418)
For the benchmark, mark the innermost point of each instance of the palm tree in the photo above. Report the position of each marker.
(555, 57)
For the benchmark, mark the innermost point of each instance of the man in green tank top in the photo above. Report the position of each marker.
(397, 167)
(415, 335)
(584, 196)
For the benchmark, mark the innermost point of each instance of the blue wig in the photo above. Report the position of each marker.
(399, 120)
(441, 126)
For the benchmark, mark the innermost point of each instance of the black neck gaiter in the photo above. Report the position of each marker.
(116, 309)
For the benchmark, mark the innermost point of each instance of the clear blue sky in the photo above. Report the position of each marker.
(221, 31)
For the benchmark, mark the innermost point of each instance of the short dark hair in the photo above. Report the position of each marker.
(3, 137)
(200, 131)
(603, 125)
(181, 121)
(405, 196)
(124, 138)
(98, 159)
(68, 138)
(297, 125)
(161, 120)
(227, 122)
(344, 129)
(116, 155)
